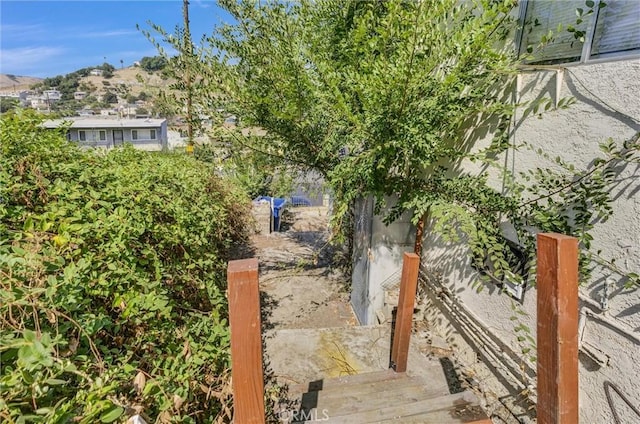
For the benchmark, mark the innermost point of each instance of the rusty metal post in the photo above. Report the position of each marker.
(404, 314)
(557, 329)
(246, 342)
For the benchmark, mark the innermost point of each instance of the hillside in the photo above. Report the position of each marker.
(80, 89)
(134, 80)
(16, 82)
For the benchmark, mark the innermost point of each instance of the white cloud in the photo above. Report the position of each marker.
(24, 60)
(105, 34)
(129, 56)
(202, 4)
(22, 32)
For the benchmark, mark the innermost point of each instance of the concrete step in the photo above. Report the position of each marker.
(298, 356)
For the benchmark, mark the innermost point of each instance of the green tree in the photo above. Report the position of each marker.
(386, 99)
(107, 70)
(155, 63)
(8, 103)
(110, 97)
(392, 83)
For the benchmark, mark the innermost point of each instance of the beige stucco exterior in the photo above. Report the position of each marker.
(479, 326)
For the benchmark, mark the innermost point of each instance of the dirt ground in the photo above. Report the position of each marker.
(300, 284)
(309, 328)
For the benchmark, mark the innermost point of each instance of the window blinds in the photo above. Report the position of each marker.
(617, 28)
(543, 16)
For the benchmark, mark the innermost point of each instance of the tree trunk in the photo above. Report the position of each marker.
(188, 52)
(419, 234)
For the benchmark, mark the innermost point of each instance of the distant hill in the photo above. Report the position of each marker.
(16, 82)
(134, 80)
(113, 87)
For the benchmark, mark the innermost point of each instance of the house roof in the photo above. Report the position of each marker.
(93, 123)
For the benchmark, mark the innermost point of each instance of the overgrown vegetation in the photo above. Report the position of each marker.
(375, 96)
(155, 63)
(112, 281)
(255, 173)
(388, 99)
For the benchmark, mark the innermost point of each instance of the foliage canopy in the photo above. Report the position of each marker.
(112, 280)
(389, 99)
(376, 96)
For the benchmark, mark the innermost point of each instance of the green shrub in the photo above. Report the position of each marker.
(111, 281)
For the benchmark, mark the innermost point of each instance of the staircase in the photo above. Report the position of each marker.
(352, 375)
(381, 397)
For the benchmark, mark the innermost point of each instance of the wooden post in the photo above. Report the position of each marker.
(404, 314)
(557, 329)
(246, 341)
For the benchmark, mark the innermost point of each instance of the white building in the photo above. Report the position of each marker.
(144, 134)
(52, 95)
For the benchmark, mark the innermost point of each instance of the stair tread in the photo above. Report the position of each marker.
(328, 383)
(370, 396)
(432, 372)
(369, 386)
(453, 408)
(441, 417)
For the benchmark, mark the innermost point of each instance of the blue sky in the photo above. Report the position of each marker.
(47, 38)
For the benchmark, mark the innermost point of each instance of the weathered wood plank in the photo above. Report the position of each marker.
(557, 329)
(364, 389)
(246, 341)
(404, 315)
(458, 416)
(457, 406)
(333, 382)
(368, 397)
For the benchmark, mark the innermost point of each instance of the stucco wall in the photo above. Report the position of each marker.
(378, 250)
(480, 326)
(607, 105)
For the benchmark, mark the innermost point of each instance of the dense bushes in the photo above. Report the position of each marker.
(111, 281)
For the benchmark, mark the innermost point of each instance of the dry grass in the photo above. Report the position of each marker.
(16, 83)
(135, 79)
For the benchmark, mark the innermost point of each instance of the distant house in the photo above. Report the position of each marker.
(127, 110)
(86, 111)
(96, 72)
(144, 134)
(79, 95)
(51, 95)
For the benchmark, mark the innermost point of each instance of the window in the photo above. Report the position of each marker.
(134, 134)
(617, 29)
(82, 135)
(103, 135)
(579, 30)
(152, 134)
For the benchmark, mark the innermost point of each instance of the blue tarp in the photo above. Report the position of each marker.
(277, 203)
